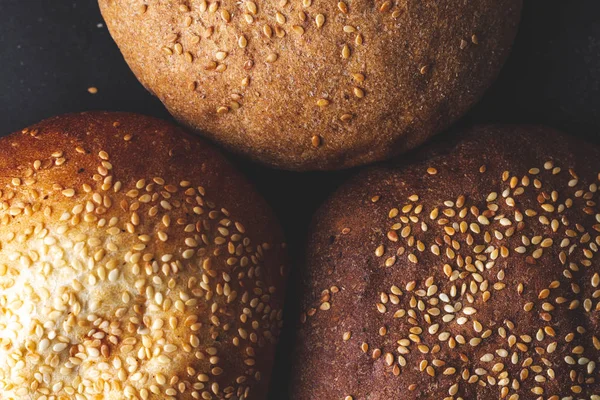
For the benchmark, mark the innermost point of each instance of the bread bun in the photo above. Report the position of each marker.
(308, 85)
(470, 273)
(135, 263)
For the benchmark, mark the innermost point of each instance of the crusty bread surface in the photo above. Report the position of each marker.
(307, 84)
(469, 272)
(135, 263)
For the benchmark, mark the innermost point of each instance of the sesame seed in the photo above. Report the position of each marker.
(59, 347)
(68, 192)
(280, 18)
(316, 141)
(322, 102)
(320, 20)
(225, 15)
(346, 51)
(252, 8)
(358, 77)
(267, 31)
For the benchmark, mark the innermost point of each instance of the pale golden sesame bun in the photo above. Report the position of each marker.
(472, 271)
(310, 84)
(135, 263)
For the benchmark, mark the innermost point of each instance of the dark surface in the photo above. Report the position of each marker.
(52, 51)
(350, 226)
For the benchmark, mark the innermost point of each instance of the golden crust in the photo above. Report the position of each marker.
(135, 263)
(315, 85)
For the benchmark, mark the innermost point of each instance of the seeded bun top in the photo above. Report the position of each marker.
(309, 84)
(135, 262)
(472, 272)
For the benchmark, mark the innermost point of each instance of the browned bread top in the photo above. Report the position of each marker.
(135, 262)
(470, 273)
(310, 84)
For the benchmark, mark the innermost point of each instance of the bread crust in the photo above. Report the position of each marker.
(381, 319)
(135, 262)
(310, 85)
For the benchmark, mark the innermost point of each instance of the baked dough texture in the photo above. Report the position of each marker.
(311, 84)
(135, 263)
(471, 272)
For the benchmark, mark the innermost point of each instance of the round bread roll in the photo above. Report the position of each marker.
(307, 85)
(472, 273)
(135, 263)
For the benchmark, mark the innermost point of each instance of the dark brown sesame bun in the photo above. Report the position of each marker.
(306, 84)
(135, 263)
(470, 273)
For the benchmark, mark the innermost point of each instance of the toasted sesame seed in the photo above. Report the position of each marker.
(320, 20)
(316, 141)
(267, 31)
(385, 6)
(280, 18)
(225, 15)
(346, 51)
(252, 8)
(358, 77)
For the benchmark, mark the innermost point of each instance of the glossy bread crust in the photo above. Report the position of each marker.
(308, 85)
(135, 262)
(470, 272)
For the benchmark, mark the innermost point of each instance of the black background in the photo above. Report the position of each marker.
(51, 51)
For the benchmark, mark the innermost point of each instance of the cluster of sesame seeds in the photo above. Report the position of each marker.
(126, 288)
(477, 243)
(259, 30)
